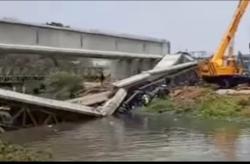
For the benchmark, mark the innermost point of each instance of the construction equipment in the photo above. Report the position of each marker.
(225, 69)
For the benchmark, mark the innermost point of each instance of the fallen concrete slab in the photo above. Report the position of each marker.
(112, 104)
(232, 92)
(48, 103)
(133, 80)
(168, 60)
(92, 98)
(82, 105)
(171, 68)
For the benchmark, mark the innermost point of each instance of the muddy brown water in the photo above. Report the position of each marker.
(139, 137)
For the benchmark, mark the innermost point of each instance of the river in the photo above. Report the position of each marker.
(139, 137)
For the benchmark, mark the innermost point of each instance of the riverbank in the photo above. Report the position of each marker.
(202, 102)
(11, 152)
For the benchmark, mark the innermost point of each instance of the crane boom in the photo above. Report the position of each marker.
(230, 33)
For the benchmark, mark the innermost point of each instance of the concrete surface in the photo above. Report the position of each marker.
(45, 50)
(17, 32)
(48, 103)
(92, 98)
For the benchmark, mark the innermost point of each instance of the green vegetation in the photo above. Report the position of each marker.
(37, 67)
(159, 106)
(63, 85)
(11, 152)
(215, 106)
(203, 102)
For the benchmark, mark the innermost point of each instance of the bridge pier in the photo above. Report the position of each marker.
(147, 64)
(123, 68)
(118, 69)
(135, 67)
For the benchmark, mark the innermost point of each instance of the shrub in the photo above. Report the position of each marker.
(159, 106)
(63, 85)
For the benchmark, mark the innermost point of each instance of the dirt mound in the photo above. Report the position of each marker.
(189, 92)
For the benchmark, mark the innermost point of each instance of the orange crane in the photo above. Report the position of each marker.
(226, 70)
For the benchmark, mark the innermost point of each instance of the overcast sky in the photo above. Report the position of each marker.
(191, 25)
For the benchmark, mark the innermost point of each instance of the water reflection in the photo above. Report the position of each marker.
(139, 137)
(225, 140)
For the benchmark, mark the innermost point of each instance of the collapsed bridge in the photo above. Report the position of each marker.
(23, 110)
(138, 66)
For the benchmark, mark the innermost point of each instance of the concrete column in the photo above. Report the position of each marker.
(119, 69)
(135, 67)
(129, 68)
(123, 68)
(112, 70)
(146, 64)
(140, 65)
(166, 48)
(153, 63)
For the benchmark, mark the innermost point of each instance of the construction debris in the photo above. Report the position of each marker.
(232, 92)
